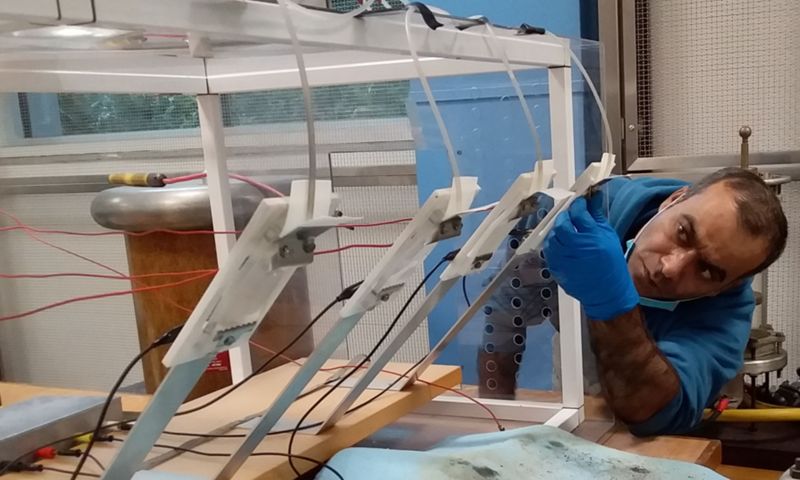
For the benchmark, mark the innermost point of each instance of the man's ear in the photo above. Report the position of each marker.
(677, 194)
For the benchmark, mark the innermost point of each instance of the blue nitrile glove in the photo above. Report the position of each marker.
(586, 258)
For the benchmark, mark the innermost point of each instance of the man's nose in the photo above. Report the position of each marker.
(675, 263)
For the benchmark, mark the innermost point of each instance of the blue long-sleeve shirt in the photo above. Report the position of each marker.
(703, 339)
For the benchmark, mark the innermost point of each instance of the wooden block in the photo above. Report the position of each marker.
(744, 473)
(693, 450)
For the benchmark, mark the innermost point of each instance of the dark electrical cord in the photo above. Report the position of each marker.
(165, 339)
(255, 454)
(445, 259)
(9, 465)
(68, 472)
(464, 290)
(345, 295)
(97, 462)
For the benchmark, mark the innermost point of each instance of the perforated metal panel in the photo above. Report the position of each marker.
(784, 289)
(706, 68)
(79, 345)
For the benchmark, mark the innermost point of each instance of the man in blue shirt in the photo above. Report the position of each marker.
(664, 280)
(662, 270)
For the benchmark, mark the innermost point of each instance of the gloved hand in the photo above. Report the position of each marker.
(585, 256)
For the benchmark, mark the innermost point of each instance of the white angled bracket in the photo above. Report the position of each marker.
(517, 202)
(232, 307)
(594, 174)
(437, 219)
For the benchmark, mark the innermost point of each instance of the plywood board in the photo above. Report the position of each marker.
(255, 396)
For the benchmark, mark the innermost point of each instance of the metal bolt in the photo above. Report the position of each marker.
(284, 251)
(631, 127)
(229, 340)
(308, 245)
(385, 297)
(477, 264)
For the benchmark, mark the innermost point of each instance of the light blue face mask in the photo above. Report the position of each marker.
(669, 305)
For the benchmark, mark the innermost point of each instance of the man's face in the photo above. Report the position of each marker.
(694, 248)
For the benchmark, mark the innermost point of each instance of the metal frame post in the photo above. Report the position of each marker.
(563, 149)
(209, 110)
(630, 113)
(608, 23)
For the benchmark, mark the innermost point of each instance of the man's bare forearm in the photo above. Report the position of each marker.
(637, 380)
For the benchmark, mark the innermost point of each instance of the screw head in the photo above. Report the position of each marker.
(631, 127)
(385, 297)
(309, 246)
(229, 340)
(284, 251)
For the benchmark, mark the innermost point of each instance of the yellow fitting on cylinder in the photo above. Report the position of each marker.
(137, 179)
(758, 415)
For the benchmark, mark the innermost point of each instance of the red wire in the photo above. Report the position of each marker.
(241, 178)
(355, 245)
(103, 295)
(114, 232)
(376, 224)
(109, 277)
(28, 232)
(453, 390)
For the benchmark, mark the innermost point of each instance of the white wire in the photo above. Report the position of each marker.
(603, 115)
(451, 156)
(518, 89)
(309, 107)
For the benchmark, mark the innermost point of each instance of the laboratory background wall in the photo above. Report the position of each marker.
(704, 70)
(65, 139)
(493, 142)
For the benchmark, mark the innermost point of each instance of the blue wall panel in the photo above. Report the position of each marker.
(493, 142)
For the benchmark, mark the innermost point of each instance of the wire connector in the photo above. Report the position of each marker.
(451, 255)
(427, 15)
(348, 292)
(526, 29)
(168, 337)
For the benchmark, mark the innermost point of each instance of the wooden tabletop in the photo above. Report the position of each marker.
(361, 425)
(251, 399)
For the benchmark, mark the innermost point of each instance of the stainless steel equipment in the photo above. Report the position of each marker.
(765, 353)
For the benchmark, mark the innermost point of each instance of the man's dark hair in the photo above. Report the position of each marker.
(760, 211)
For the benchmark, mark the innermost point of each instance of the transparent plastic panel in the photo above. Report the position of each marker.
(511, 348)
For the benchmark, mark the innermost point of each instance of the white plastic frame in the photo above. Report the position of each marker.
(471, 258)
(370, 49)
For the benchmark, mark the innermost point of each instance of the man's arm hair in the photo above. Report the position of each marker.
(638, 381)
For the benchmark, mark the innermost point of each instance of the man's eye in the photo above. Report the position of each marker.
(682, 235)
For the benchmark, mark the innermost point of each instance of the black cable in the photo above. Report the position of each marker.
(255, 454)
(165, 339)
(59, 470)
(345, 295)
(363, 362)
(8, 465)
(464, 290)
(97, 462)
